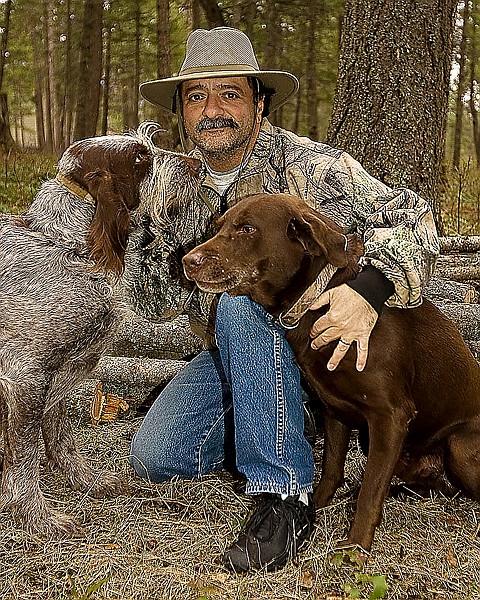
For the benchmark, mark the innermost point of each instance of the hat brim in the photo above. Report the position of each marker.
(162, 91)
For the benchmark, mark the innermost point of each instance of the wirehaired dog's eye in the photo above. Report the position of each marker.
(142, 156)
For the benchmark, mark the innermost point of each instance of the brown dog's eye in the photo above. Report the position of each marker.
(247, 229)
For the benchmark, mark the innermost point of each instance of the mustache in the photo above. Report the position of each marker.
(216, 123)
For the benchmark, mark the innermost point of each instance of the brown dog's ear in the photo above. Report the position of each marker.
(108, 235)
(319, 239)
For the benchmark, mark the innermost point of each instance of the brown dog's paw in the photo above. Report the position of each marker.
(350, 555)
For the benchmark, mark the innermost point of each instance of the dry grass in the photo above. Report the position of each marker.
(163, 542)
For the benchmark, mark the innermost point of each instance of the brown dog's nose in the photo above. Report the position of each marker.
(192, 262)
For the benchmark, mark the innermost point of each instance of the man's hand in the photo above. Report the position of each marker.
(349, 319)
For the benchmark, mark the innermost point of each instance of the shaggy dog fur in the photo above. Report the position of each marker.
(57, 313)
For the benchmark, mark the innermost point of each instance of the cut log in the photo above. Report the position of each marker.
(139, 337)
(460, 267)
(469, 243)
(132, 379)
(440, 289)
(465, 316)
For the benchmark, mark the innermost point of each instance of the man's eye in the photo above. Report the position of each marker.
(231, 95)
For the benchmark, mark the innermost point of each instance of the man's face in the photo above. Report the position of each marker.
(220, 118)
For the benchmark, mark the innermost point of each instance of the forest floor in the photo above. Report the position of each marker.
(163, 541)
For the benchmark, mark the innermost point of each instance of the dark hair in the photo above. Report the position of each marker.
(261, 91)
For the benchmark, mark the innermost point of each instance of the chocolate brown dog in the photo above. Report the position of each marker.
(418, 400)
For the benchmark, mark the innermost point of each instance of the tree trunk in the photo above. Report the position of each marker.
(457, 142)
(391, 100)
(213, 13)
(136, 73)
(273, 49)
(53, 84)
(106, 80)
(164, 68)
(6, 139)
(90, 71)
(67, 103)
(311, 74)
(474, 83)
(39, 79)
(4, 44)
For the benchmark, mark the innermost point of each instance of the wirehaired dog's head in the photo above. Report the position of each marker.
(118, 171)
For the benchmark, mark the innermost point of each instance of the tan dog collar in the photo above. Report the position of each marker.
(75, 189)
(289, 319)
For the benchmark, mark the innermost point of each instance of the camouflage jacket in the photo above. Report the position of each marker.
(396, 225)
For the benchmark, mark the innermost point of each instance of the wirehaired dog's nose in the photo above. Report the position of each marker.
(194, 165)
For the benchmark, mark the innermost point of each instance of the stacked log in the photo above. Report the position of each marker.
(144, 356)
(142, 359)
(455, 288)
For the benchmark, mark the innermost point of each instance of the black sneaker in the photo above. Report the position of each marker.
(272, 535)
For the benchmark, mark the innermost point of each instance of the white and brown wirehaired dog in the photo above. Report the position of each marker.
(57, 310)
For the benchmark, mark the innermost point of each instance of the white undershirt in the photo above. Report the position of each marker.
(222, 180)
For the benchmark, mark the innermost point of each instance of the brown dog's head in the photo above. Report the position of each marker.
(119, 171)
(271, 247)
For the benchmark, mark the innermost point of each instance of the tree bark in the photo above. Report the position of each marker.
(213, 13)
(68, 101)
(391, 99)
(106, 81)
(90, 71)
(311, 73)
(6, 139)
(39, 96)
(457, 142)
(164, 68)
(473, 81)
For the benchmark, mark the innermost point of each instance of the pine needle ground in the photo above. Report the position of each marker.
(163, 541)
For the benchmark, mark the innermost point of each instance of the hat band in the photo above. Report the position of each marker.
(216, 68)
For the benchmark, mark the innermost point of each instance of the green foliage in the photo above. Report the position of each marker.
(21, 175)
(365, 582)
(89, 593)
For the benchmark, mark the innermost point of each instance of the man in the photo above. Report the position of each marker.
(244, 394)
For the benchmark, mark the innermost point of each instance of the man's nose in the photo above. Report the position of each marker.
(212, 107)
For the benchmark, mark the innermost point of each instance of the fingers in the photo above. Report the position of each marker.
(350, 319)
(341, 350)
(338, 354)
(362, 353)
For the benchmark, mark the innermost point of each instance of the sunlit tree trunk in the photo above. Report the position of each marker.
(462, 78)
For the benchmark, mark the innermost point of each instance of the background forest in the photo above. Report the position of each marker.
(394, 83)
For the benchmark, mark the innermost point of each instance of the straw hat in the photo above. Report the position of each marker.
(220, 52)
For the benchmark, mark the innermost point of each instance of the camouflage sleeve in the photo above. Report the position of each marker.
(398, 231)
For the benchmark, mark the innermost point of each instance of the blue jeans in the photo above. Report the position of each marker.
(243, 399)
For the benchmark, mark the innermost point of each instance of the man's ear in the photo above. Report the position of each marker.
(318, 238)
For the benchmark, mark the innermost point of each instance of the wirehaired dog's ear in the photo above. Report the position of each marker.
(108, 235)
